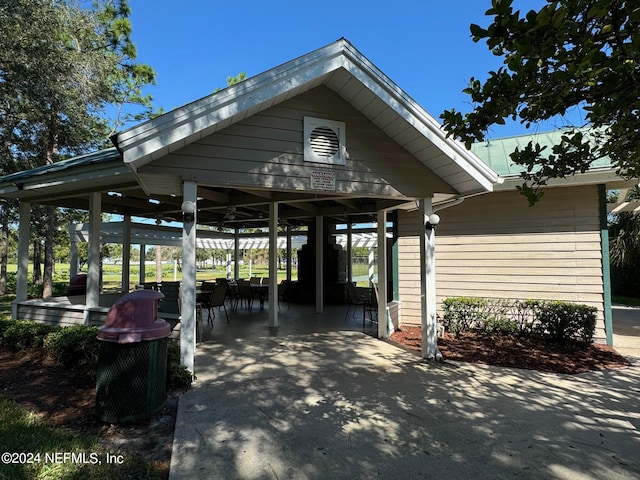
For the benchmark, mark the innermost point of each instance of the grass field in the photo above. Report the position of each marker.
(111, 274)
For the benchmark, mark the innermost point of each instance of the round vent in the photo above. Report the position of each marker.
(324, 142)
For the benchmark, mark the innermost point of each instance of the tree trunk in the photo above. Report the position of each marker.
(37, 262)
(158, 264)
(4, 247)
(50, 225)
(47, 281)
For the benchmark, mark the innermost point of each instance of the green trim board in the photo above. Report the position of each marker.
(606, 268)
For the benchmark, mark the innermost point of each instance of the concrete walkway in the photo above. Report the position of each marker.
(344, 405)
(626, 331)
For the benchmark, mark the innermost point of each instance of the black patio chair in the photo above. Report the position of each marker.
(371, 306)
(354, 299)
(245, 295)
(216, 299)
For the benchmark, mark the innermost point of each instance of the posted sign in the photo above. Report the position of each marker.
(323, 180)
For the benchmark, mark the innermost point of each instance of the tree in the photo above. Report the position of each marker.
(233, 80)
(624, 250)
(570, 54)
(60, 66)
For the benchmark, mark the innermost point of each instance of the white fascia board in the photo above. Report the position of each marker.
(153, 139)
(418, 118)
(606, 175)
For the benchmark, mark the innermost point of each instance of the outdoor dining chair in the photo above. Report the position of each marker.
(371, 306)
(245, 295)
(354, 299)
(215, 299)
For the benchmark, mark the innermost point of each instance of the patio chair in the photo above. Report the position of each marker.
(245, 295)
(354, 299)
(215, 298)
(371, 306)
(282, 293)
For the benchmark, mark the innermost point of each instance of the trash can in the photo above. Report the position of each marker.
(132, 368)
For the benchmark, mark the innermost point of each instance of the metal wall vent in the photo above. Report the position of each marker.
(324, 141)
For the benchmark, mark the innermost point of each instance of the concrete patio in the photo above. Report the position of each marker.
(311, 403)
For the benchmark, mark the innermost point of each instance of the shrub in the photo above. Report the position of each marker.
(464, 314)
(560, 321)
(21, 334)
(74, 346)
(564, 321)
(179, 375)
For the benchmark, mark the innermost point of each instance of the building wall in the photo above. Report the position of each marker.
(496, 246)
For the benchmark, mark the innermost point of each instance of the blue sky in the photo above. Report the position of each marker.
(425, 47)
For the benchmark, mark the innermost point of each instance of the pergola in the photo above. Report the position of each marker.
(324, 138)
(134, 233)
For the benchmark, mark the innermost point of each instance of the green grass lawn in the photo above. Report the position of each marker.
(33, 449)
(112, 274)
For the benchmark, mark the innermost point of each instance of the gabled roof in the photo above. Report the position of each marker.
(345, 70)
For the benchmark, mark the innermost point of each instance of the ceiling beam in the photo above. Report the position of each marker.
(212, 195)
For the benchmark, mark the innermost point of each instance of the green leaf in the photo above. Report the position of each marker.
(478, 32)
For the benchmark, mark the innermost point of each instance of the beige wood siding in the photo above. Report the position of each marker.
(496, 246)
(265, 150)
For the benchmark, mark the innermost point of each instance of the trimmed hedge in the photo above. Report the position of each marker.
(74, 346)
(22, 334)
(77, 347)
(560, 321)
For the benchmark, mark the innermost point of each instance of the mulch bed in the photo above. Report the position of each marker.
(528, 352)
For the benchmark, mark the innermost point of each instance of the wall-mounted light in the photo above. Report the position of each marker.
(188, 211)
(434, 219)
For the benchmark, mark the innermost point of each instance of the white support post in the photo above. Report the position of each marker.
(273, 264)
(92, 298)
(236, 254)
(126, 253)
(372, 262)
(288, 253)
(24, 234)
(228, 263)
(188, 287)
(319, 265)
(384, 329)
(73, 253)
(428, 284)
(349, 252)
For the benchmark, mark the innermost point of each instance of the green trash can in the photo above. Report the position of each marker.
(132, 369)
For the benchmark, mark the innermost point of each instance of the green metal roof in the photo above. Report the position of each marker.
(101, 156)
(495, 153)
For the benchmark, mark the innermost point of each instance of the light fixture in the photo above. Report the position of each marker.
(434, 219)
(188, 211)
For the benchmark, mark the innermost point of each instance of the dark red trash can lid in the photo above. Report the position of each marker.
(133, 318)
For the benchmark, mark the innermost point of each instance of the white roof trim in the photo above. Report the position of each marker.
(173, 130)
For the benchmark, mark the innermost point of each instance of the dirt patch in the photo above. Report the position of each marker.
(528, 352)
(67, 399)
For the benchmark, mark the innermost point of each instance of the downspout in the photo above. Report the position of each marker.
(450, 203)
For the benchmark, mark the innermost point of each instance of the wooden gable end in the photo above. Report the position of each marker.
(265, 150)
